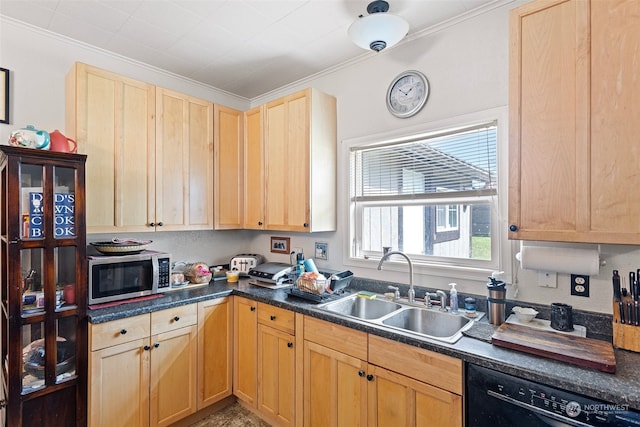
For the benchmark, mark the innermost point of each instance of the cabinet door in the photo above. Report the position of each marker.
(245, 349)
(548, 179)
(287, 163)
(215, 362)
(228, 168)
(184, 162)
(112, 119)
(254, 169)
(173, 375)
(615, 108)
(335, 388)
(395, 400)
(276, 375)
(119, 385)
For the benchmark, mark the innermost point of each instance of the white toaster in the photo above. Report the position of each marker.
(245, 262)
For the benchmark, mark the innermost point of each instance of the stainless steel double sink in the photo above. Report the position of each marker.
(404, 317)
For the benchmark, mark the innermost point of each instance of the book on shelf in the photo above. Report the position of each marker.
(63, 215)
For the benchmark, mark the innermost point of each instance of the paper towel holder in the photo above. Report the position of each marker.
(545, 267)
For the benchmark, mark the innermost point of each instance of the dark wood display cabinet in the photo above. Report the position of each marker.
(43, 287)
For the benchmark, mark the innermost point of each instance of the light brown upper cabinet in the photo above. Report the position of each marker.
(228, 167)
(184, 162)
(573, 151)
(112, 119)
(300, 162)
(149, 153)
(253, 169)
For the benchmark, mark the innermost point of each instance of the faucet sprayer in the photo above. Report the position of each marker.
(412, 293)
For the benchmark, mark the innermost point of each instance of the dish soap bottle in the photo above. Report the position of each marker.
(453, 298)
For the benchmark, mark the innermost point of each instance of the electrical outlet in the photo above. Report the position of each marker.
(579, 285)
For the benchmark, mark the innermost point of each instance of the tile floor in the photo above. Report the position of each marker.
(232, 416)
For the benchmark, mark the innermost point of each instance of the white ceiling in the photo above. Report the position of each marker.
(245, 47)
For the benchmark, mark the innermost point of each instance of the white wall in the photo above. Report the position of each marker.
(39, 61)
(467, 67)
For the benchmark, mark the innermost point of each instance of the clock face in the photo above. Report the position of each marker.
(407, 94)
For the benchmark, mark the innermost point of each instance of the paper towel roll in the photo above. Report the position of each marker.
(560, 260)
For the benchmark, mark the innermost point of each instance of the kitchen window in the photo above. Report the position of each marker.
(433, 195)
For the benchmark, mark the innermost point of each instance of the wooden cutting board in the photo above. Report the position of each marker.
(587, 352)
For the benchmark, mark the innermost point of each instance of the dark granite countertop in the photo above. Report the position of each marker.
(621, 388)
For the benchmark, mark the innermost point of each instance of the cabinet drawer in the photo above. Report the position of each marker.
(173, 318)
(423, 365)
(119, 331)
(336, 337)
(278, 318)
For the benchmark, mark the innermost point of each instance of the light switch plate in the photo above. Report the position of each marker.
(547, 279)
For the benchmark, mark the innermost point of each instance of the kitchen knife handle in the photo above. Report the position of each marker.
(636, 314)
(629, 313)
(616, 285)
(621, 307)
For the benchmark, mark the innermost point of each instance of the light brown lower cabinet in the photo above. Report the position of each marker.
(155, 369)
(265, 354)
(143, 369)
(119, 385)
(355, 379)
(335, 393)
(245, 350)
(215, 360)
(276, 375)
(173, 375)
(398, 400)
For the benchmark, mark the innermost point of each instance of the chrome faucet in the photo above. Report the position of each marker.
(412, 293)
(396, 292)
(427, 298)
(443, 300)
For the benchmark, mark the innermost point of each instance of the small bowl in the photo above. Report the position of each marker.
(34, 357)
(525, 314)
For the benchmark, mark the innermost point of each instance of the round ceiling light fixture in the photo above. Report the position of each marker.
(379, 29)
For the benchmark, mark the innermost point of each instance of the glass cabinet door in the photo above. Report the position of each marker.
(64, 203)
(33, 202)
(31, 196)
(32, 263)
(48, 274)
(65, 278)
(35, 364)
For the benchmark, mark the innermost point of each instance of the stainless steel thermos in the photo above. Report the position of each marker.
(496, 301)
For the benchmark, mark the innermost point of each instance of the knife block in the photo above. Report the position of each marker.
(625, 336)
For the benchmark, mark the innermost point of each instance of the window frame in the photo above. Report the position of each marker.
(453, 268)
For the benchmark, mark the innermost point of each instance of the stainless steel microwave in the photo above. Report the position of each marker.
(120, 277)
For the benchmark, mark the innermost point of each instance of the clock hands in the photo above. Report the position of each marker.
(407, 94)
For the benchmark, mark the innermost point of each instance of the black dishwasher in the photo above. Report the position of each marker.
(495, 399)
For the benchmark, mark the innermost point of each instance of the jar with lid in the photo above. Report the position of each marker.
(470, 306)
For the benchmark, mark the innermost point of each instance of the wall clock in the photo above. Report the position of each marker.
(407, 94)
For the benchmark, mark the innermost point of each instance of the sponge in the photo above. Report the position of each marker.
(366, 294)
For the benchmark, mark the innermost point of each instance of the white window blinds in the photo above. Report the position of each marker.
(456, 163)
